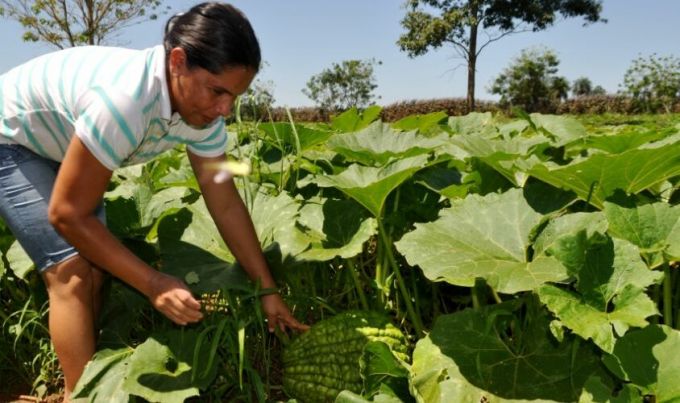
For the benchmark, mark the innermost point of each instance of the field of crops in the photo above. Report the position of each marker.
(528, 258)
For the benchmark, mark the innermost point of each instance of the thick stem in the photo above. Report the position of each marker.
(667, 296)
(357, 283)
(472, 55)
(415, 318)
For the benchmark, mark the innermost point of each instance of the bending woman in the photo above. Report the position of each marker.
(69, 118)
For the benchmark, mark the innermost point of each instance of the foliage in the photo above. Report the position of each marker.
(71, 23)
(343, 85)
(582, 86)
(654, 82)
(533, 258)
(459, 23)
(531, 82)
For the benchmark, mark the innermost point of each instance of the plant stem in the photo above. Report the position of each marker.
(656, 297)
(357, 283)
(676, 304)
(298, 148)
(380, 273)
(495, 295)
(415, 319)
(667, 296)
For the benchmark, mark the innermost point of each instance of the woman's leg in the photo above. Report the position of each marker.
(73, 288)
(26, 181)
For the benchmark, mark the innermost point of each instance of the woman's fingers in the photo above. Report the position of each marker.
(175, 301)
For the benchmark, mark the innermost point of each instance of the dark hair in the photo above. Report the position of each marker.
(214, 36)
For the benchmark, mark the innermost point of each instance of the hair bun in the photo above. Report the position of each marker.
(171, 22)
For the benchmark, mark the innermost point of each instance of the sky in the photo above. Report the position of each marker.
(301, 38)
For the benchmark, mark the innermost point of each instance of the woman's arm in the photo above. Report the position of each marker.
(236, 228)
(78, 190)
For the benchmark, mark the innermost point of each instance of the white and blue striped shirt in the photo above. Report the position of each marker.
(115, 100)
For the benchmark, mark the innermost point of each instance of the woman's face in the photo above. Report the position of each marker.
(199, 96)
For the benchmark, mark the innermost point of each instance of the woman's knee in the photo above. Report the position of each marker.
(73, 277)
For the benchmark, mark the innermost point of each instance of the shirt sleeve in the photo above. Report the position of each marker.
(212, 142)
(110, 125)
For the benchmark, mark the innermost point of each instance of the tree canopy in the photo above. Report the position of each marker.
(68, 23)
(654, 82)
(343, 85)
(531, 82)
(431, 24)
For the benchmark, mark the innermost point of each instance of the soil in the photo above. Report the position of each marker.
(20, 398)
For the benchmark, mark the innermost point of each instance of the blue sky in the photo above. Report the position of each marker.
(300, 38)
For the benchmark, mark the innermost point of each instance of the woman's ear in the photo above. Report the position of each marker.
(177, 62)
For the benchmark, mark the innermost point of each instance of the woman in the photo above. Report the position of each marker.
(69, 118)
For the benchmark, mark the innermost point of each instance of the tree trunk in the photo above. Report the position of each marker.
(472, 55)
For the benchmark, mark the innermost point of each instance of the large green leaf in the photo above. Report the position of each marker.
(371, 186)
(568, 238)
(484, 237)
(473, 356)
(160, 369)
(502, 154)
(561, 129)
(274, 218)
(347, 396)
(595, 391)
(381, 370)
(648, 358)
(124, 206)
(618, 142)
(609, 293)
(378, 144)
(648, 226)
(601, 175)
(282, 136)
(631, 307)
(335, 228)
(475, 123)
(202, 271)
(194, 225)
(170, 198)
(422, 123)
(544, 198)
(448, 180)
(102, 380)
(352, 120)
(673, 250)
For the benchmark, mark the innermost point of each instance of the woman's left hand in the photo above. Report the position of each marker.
(279, 315)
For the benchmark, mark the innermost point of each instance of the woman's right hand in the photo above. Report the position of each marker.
(173, 299)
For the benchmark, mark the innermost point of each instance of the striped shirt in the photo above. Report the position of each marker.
(115, 100)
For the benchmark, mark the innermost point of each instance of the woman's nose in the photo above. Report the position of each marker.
(224, 105)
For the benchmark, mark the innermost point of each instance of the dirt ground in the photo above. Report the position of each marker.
(19, 398)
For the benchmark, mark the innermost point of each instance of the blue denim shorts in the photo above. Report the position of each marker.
(26, 182)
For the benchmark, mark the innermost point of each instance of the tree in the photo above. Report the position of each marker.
(531, 82)
(460, 21)
(350, 83)
(583, 87)
(654, 82)
(67, 23)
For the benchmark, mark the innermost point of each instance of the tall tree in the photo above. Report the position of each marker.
(67, 23)
(459, 23)
(583, 87)
(343, 85)
(654, 82)
(531, 82)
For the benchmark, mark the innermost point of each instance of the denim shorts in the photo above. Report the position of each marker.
(26, 182)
